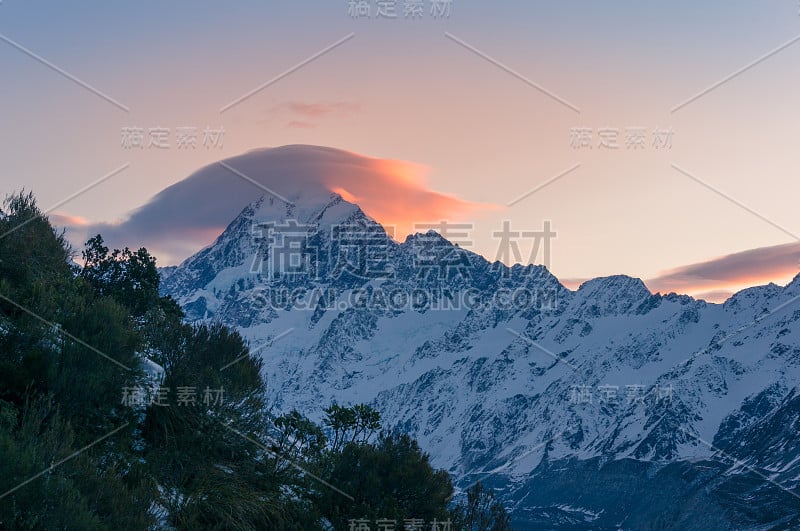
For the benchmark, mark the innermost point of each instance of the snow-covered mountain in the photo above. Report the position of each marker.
(602, 408)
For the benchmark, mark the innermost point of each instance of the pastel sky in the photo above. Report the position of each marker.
(479, 107)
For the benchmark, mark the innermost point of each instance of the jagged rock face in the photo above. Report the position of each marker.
(504, 375)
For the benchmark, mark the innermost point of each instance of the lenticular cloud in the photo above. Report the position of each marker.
(191, 213)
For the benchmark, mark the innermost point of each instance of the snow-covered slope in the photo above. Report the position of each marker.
(501, 373)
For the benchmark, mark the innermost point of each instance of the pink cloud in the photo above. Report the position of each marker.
(716, 279)
(718, 295)
(190, 214)
(316, 110)
(307, 115)
(62, 219)
(726, 274)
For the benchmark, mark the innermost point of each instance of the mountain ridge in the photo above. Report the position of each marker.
(521, 375)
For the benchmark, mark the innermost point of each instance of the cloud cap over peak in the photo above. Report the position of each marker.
(188, 215)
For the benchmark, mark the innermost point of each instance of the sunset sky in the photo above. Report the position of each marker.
(478, 107)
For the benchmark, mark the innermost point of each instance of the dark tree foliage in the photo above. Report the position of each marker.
(59, 339)
(202, 451)
(203, 437)
(351, 424)
(80, 493)
(129, 277)
(481, 511)
(391, 479)
(65, 353)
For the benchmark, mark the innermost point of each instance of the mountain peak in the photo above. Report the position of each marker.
(614, 294)
(625, 283)
(429, 237)
(320, 208)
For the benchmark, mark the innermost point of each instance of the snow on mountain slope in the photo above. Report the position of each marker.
(494, 368)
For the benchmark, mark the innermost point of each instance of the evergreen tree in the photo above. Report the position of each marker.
(129, 277)
(205, 443)
(481, 511)
(391, 479)
(65, 355)
(205, 453)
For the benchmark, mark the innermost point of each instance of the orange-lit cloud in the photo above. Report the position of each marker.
(62, 219)
(75, 227)
(400, 197)
(189, 214)
(717, 278)
(316, 110)
(347, 196)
